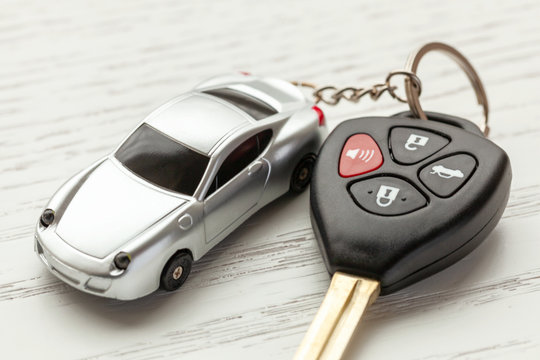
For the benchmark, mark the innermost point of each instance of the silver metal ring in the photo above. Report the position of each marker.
(412, 66)
(416, 83)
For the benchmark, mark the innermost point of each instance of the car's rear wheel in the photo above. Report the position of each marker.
(176, 271)
(302, 173)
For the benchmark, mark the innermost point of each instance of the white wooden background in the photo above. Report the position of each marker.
(76, 76)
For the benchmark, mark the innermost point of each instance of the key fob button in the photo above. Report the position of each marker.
(387, 195)
(359, 155)
(411, 145)
(445, 176)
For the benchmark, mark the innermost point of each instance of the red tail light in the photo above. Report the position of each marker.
(320, 114)
(245, 73)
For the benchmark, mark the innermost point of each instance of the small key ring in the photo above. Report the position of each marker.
(409, 75)
(413, 96)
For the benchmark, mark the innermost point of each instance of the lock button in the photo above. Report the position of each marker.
(412, 145)
(387, 195)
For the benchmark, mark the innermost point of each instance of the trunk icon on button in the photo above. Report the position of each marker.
(386, 195)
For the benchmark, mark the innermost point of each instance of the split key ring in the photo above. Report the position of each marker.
(411, 87)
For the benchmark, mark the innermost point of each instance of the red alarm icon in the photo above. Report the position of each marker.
(360, 155)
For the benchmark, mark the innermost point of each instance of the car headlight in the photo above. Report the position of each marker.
(122, 260)
(47, 217)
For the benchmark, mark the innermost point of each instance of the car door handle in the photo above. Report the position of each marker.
(255, 167)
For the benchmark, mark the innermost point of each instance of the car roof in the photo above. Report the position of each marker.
(278, 94)
(198, 121)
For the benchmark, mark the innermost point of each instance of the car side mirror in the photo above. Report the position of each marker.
(185, 222)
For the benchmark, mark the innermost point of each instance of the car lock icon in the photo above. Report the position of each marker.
(386, 195)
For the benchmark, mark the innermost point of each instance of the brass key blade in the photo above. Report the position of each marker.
(341, 310)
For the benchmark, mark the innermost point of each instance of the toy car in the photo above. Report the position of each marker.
(193, 171)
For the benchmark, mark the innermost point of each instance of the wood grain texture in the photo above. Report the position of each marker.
(76, 76)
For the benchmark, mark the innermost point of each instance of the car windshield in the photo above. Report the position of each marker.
(162, 161)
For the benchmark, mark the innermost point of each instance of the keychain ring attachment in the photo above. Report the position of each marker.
(413, 96)
(410, 77)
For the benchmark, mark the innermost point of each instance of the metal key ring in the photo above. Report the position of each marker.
(410, 77)
(412, 65)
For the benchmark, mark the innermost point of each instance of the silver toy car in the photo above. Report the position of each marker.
(186, 177)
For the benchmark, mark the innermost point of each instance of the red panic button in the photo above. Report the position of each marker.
(360, 155)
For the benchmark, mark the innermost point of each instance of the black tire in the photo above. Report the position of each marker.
(302, 173)
(171, 277)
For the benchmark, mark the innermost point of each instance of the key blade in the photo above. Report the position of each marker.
(341, 310)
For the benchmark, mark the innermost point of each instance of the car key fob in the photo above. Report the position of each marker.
(397, 199)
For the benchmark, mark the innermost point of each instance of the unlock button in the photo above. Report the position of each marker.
(411, 145)
(387, 195)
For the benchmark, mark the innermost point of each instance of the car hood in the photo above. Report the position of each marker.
(110, 208)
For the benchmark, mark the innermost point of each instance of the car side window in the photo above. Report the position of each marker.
(239, 158)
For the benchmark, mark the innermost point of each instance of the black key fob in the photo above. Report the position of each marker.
(397, 199)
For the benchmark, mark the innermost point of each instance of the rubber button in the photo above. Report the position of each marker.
(360, 155)
(387, 195)
(445, 176)
(411, 145)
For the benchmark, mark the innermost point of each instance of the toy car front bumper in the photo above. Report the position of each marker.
(91, 284)
(127, 285)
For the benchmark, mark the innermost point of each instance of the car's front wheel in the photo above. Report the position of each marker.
(302, 173)
(176, 271)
